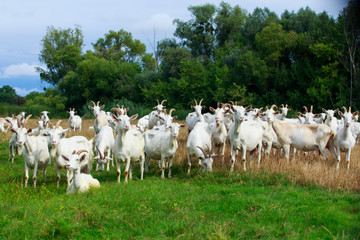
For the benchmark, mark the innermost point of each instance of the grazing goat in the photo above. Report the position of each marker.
(194, 117)
(104, 144)
(303, 137)
(129, 145)
(74, 120)
(160, 145)
(81, 182)
(246, 136)
(345, 141)
(200, 137)
(34, 149)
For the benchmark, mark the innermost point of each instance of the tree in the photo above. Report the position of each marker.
(119, 46)
(229, 24)
(61, 53)
(198, 34)
(8, 95)
(349, 20)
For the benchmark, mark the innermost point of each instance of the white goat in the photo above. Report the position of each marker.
(129, 145)
(153, 116)
(104, 144)
(246, 136)
(81, 182)
(303, 137)
(34, 149)
(219, 137)
(100, 116)
(12, 143)
(160, 145)
(74, 120)
(45, 118)
(194, 117)
(331, 120)
(200, 138)
(284, 112)
(309, 116)
(62, 146)
(143, 123)
(345, 141)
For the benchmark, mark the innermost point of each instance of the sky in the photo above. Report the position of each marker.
(23, 24)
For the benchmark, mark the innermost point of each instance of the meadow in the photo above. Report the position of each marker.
(306, 199)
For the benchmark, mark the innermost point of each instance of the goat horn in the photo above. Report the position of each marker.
(93, 103)
(286, 105)
(344, 108)
(18, 121)
(201, 101)
(158, 103)
(26, 120)
(57, 124)
(282, 105)
(195, 102)
(349, 109)
(51, 125)
(202, 151)
(118, 110)
(272, 106)
(232, 102)
(81, 151)
(98, 102)
(163, 101)
(311, 108)
(171, 110)
(305, 108)
(101, 156)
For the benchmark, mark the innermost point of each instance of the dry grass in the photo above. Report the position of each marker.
(305, 169)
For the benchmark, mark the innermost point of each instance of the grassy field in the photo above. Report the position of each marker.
(306, 199)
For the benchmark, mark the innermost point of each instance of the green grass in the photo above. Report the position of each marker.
(201, 206)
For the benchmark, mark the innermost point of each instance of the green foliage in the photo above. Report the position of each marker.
(61, 52)
(223, 53)
(8, 95)
(51, 101)
(119, 46)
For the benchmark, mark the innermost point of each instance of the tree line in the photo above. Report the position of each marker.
(222, 53)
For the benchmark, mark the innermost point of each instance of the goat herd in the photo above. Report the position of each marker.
(155, 137)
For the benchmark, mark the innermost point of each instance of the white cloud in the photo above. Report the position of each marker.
(16, 70)
(23, 92)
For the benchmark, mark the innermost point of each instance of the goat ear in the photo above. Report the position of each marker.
(133, 117)
(29, 131)
(66, 159)
(341, 114)
(355, 113)
(175, 117)
(82, 158)
(182, 125)
(277, 112)
(114, 117)
(324, 110)
(13, 130)
(212, 109)
(203, 106)
(91, 108)
(193, 107)
(102, 106)
(316, 115)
